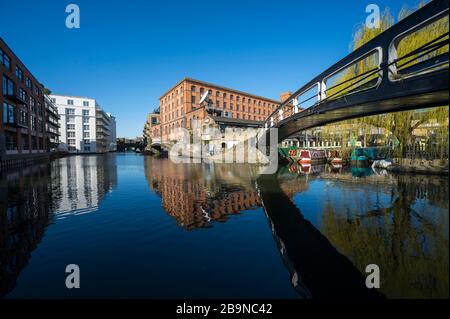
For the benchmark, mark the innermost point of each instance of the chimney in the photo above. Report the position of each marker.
(284, 96)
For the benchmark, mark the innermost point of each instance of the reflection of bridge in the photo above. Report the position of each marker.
(417, 79)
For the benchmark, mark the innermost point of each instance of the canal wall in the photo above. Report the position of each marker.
(419, 166)
(16, 161)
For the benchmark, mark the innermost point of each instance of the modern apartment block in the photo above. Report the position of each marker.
(85, 127)
(23, 115)
(180, 106)
(52, 124)
(106, 131)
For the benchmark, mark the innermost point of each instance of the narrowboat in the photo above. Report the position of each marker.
(334, 157)
(311, 157)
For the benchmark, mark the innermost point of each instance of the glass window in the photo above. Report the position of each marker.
(4, 59)
(70, 119)
(86, 120)
(22, 94)
(28, 83)
(85, 112)
(71, 126)
(86, 103)
(69, 102)
(70, 111)
(86, 127)
(9, 113)
(19, 73)
(8, 86)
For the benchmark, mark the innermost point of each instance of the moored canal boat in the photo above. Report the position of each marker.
(335, 157)
(359, 158)
(311, 157)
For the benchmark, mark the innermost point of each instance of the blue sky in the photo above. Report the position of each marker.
(128, 53)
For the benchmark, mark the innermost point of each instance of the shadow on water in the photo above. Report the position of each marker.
(318, 270)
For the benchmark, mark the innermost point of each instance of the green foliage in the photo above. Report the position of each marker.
(400, 124)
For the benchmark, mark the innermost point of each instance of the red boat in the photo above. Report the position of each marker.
(312, 156)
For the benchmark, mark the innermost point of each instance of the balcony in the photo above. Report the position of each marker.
(14, 98)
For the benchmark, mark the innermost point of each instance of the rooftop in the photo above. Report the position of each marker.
(187, 79)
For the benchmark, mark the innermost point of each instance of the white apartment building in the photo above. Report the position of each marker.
(84, 128)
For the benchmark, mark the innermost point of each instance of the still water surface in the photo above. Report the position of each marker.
(141, 227)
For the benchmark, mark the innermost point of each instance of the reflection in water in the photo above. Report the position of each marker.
(79, 183)
(196, 195)
(328, 223)
(24, 207)
(30, 198)
(407, 235)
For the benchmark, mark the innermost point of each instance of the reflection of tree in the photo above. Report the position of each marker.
(407, 240)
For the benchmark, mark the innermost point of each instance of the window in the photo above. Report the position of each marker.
(8, 86)
(70, 134)
(4, 59)
(86, 135)
(33, 122)
(192, 99)
(87, 141)
(85, 112)
(71, 142)
(69, 102)
(70, 111)
(85, 127)
(32, 104)
(28, 83)
(22, 95)
(53, 100)
(193, 88)
(70, 119)
(19, 73)
(9, 112)
(23, 117)
(85, 120)
(202, 90)
(70, 126)
(86, 103)
(87, 148)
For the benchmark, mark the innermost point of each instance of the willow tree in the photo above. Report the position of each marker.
(359, 76)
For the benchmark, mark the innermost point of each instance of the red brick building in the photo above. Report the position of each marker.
(23, 115)
(180, 105)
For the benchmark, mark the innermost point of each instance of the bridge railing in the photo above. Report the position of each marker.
(394, 55)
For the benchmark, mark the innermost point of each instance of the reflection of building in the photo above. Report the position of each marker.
(195, 194)
(85, 127)
(25, 201)
(82, 182)
(23, 115)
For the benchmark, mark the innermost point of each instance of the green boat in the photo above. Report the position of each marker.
(359, 157)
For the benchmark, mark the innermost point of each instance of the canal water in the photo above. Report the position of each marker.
(142, 227)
